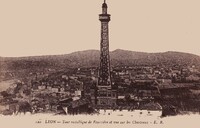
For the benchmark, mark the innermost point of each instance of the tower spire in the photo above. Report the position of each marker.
(104, 7)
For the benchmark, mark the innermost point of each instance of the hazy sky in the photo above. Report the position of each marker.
(42, 27)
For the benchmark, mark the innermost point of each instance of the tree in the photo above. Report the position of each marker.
(5, 94)
(128, 98)
(24, 107)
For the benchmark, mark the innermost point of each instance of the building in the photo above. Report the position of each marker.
(80, 106)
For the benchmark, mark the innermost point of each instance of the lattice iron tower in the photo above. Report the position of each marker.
(104, 69)
(105, 94)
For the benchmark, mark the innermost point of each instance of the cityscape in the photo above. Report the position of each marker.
(101, 82)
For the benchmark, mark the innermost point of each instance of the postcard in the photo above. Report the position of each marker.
(99, 63)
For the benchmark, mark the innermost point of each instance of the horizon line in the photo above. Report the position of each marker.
(40, 55)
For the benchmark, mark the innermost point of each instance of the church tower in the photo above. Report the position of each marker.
(106, 96)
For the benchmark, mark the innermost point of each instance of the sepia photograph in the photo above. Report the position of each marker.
(99, 63)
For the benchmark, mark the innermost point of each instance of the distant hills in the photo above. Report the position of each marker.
(90, 58)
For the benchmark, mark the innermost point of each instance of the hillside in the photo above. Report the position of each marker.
(90, 58)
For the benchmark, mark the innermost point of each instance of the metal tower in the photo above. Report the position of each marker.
(105, 95)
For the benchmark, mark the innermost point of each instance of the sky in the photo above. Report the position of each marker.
(50, 27)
